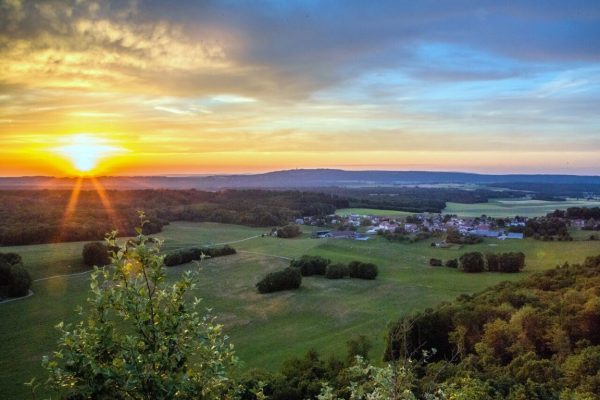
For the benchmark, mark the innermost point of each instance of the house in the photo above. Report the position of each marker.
(342, 235)
(299, 221)
(514, 235)
(485, 233)
(322, 234)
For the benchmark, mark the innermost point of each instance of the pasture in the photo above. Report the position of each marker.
(266, 329)
(510, 207)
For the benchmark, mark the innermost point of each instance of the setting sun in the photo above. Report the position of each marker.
(85, 151)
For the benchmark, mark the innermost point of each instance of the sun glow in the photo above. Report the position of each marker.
(85, 151)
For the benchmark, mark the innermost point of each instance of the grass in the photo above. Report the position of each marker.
(267, 329)
(511, 207)
(344, 212)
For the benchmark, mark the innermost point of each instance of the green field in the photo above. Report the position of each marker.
(344, 212)
(266, 329)
(511, 207)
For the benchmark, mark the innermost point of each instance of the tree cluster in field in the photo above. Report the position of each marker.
(536, 339)
(32, 217)
(289, 231)
(186, 255)
(291, 277)
(477, 262)
(316, 265)
(547, 229)
(454, 236)
(15, 280)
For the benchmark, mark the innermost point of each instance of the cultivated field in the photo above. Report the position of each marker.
(512, 207)
(266, 329)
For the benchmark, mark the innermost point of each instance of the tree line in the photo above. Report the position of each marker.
(536, 339)
(474, 262)
(44, 216)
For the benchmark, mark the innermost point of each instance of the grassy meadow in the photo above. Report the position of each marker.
(511, 207)
(266, 329)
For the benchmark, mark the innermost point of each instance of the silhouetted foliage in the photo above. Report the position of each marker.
(96, 253)
(15, 280)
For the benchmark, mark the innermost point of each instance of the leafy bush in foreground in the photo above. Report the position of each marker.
(289, 278)
(141, 337)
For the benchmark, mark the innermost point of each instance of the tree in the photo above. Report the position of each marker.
(472, 262)
(336, 271)
(289, 231)
(435, 262)
(139, 338)
(15, 280)
(288, 278)
(361, 270)
(96, 254)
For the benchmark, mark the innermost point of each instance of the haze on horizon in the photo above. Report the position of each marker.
(154, 87)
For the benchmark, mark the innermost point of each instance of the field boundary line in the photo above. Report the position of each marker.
(29, 294)
(235, 241)
(62, 276)
(266, 255)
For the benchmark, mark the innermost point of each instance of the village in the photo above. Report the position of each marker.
(363, 227)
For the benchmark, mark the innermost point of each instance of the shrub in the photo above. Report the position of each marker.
(289, 278)
(186, 255)
(336, 271)
(472, 262)
(172, 259)
(10, 258)
(435, 262)
(360, 270)
(492, 262)
(452, 263)
(511, 262)
(311, 265)
(95, 253)
(289, 231)
(15, 281)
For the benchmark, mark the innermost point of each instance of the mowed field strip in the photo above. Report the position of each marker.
(511, 207)
(265, 329)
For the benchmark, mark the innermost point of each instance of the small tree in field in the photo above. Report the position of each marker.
(139, 338)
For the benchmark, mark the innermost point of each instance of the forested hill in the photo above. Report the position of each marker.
(300, 178)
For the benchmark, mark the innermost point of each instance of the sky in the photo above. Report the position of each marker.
(182, 87)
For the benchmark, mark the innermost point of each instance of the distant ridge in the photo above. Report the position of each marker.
(298, 178)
